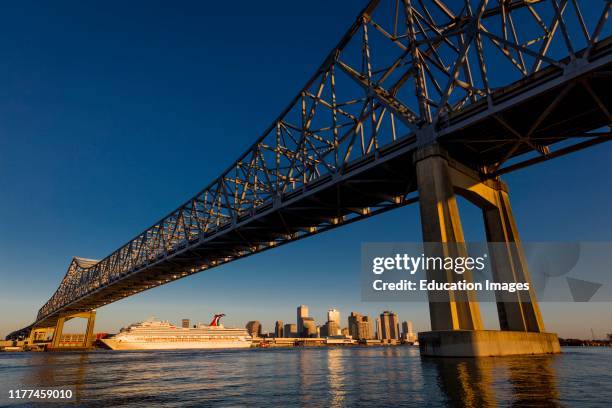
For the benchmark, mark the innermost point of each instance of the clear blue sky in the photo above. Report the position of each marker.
(110, 116)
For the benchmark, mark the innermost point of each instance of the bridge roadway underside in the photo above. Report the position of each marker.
(554, 104)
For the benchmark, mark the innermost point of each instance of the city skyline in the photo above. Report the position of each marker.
(359, 326)
(87, 138)
(370, 310)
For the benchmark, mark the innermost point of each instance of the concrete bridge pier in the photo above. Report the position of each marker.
(456, 324)
(38, 334)
(57, 344)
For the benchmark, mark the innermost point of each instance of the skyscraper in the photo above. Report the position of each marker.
(333, 315)
(333, 328)
(290, 330)
(407, 332)
(389, 326)
(405, 327)
(254, 328)
(278, 329)
(360, 327)
(330, 328)
(396, 327)
(309, 327)
(302, 312)
(378, 329)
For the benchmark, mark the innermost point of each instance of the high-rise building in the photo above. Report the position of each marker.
(333, 315)
(185, 323)
(254, 328)
(279, 329)
(309, 327)
(330, 328)
(302, 312)
(378, 329)
(345, 332)
(396, 334)
(333, 328)
(360, 327)
(389, 326)
(407, 332)
(290, 330)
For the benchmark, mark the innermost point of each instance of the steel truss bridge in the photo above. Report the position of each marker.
(499, 84)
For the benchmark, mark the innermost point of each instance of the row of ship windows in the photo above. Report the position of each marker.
(180, 339)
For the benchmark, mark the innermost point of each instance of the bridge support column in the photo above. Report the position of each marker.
(57, 333)
(89, 331)
(518, 311)
(457, 329)
(38, 334)
(441, 223)
(89, 334)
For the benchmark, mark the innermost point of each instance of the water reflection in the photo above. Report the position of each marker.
(492, 381)
(56, 369)
(306, 377)
(355, 376)
(336, 377)
(466, 382)
(540, 389)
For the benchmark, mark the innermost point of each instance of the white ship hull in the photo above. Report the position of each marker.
(161, 335)
(182, 345)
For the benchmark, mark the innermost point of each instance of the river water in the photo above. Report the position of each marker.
(334, 377)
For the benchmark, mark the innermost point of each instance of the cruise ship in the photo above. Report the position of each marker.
(161, 335)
